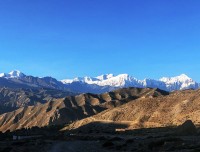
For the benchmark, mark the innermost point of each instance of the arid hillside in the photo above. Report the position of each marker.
(72, 108)
(12, 99)
(170, 110)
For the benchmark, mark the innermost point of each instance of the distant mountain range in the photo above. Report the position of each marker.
(111, 82)
(99, 84)
(17, 79)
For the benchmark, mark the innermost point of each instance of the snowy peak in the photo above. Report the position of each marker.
(12, 74)
(181, 78)
(114, 81)
(86, 79)
(102, 80)
(108, 82)
(16, 74)
(123, 76)
(105, 77)
(184, 76)
(105, 80)
(2, 75)
(180, 82)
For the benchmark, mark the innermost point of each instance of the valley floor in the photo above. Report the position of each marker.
(141, 140)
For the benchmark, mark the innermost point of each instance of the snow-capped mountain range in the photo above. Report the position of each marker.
(124, 80)
(97, 84)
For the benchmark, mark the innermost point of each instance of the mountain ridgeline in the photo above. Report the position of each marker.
(163, 111)
(72, 108)
(11, 99)
(28, 101)
(100, 84)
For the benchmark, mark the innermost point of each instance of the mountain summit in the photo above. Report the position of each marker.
(16, 74)
(12, 74)
(181, 82)
(181, 78)
(124, 80)
(99, 84)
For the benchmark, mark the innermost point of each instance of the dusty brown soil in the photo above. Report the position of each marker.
(171, 110)
(71, 108)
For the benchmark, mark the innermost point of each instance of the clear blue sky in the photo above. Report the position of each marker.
(69, 38)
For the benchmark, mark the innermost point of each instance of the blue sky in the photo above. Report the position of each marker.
(69, 38)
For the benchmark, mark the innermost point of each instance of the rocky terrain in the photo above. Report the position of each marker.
(16, 79)
(72, 108)
(129, 119)
(184, 138)
(162, 111)
(12, 99)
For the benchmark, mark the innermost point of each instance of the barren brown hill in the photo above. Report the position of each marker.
(170, 110)
(12, 99)
(71, 108)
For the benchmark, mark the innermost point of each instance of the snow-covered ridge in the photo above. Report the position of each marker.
(181, 78)
(108, 82)
(124, 80)
(12, 74)
(103, 80)
(180, 82)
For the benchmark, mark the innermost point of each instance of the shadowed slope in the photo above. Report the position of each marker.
(12, 99)
(173, 109)
(72, 108)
